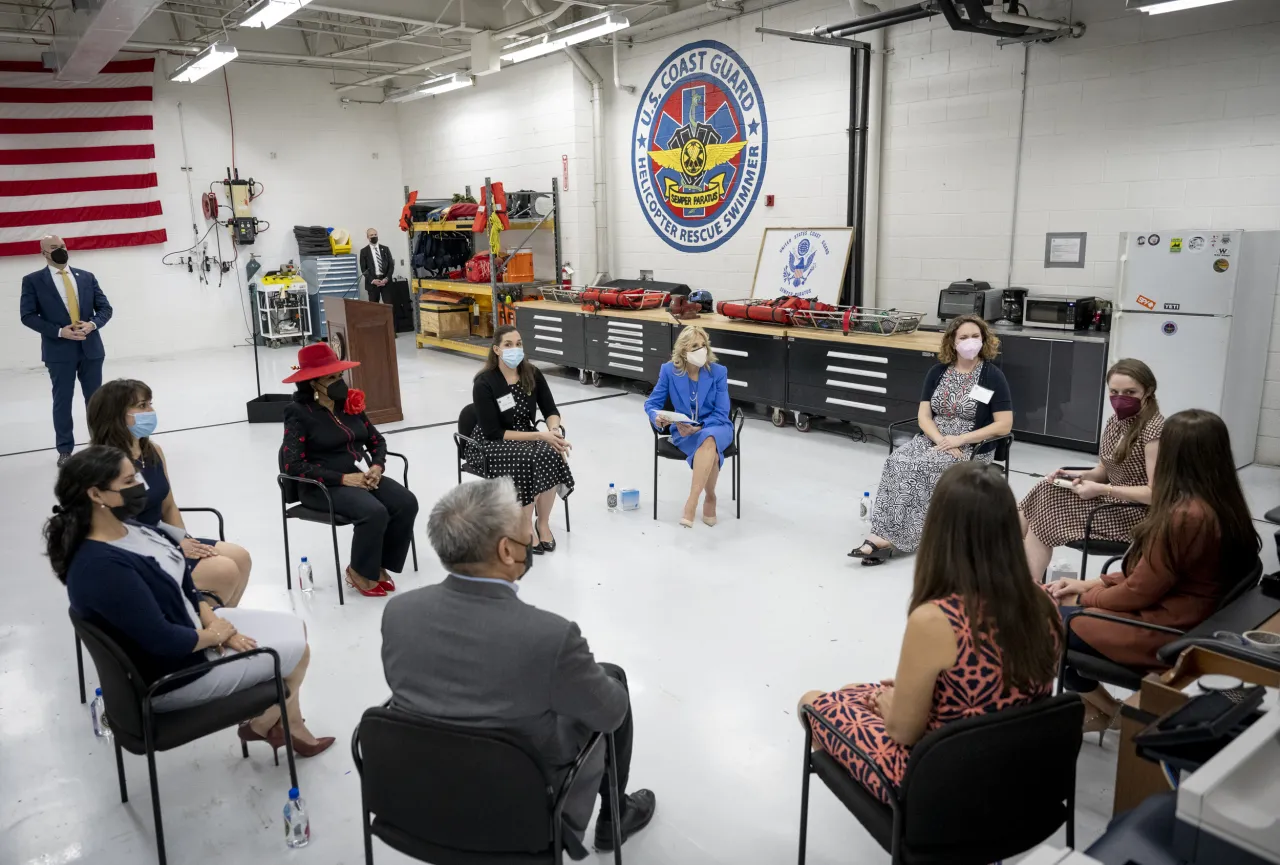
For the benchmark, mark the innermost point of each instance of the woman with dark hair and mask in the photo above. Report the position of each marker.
(121, 415)
(326, 433)
(135, 583)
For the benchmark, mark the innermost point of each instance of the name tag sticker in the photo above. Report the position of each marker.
(981, 394)
(506, 402)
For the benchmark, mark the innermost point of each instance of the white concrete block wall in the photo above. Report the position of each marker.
(323, 173)
(1163, 121)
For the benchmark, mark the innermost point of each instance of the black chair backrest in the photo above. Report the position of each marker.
(466, 426)
(468, 789)
(291, 491)
(1002, 449)
(992, 778)
(122, 685)
(1244, 583)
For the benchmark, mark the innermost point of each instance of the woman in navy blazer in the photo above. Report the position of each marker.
(697, 387)
(135, 583)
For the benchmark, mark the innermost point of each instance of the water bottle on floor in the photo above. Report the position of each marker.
(611, 500)
(297, 828)
(306, 581)
(101, 727)
(864, 507)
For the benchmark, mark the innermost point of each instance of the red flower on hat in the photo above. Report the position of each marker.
(355, 401)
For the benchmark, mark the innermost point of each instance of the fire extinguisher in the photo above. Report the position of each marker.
(566, 275)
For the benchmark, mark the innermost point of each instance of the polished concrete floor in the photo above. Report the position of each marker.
(720, 629)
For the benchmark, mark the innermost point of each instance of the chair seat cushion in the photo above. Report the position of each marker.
(1102, 546)
(668, 451)
(174, 729)
(425, 851)
(302, 512)
(1104, 670)
(875, 816)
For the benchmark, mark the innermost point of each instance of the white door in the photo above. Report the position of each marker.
(1185, 271)
(1187, 353)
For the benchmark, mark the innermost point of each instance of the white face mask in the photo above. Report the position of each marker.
(696, 357)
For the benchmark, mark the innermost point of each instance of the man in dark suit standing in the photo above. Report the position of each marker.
(67, 308)
(469, 652)
(376, 266)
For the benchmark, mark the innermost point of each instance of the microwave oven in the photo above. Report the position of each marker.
(969, 298)
(1058, 312)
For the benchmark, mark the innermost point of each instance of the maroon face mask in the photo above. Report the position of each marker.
(1125, 406)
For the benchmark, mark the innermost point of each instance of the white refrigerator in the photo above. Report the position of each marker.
(1196, 306)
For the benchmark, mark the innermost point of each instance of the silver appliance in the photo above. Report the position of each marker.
(1196, 306)
(1058, 311)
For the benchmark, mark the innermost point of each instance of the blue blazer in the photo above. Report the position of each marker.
(713, 394)
(139, 605)
(44, 310)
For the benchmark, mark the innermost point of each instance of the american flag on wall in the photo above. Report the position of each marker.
(76, 160)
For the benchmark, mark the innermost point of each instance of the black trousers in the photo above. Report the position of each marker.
(1071, 680)
(622, 738)
(383, 521)
(375, 291)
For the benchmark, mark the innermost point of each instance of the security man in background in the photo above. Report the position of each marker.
(376, 266)
(67, 308)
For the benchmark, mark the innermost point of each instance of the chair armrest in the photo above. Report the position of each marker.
(1121, 620)
(562, 795)
(977, 446)
(1109, 562)
(199, 669)
(1088, 523)
(739, 420)
(222, 534)
(281, 478)
(405, 459)
(914, 419)
(807, 711)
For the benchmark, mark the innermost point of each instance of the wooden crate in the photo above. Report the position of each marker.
(483, 326)
(445, 322)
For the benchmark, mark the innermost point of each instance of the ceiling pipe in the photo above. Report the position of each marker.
(536, 21)
(617, 80)
(698, 11)
(417, 31)
(890, 16)
(360, 13)
(903, 16)
(599, 200)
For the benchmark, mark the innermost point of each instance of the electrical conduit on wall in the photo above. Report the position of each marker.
(875, 145)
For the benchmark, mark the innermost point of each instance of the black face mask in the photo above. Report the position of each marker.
(135, 502)
(337, 392)
(373, 241)
(528, 557)
(59, 255)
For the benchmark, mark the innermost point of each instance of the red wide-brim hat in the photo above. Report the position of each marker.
(316, 361)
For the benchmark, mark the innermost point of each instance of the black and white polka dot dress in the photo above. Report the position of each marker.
(533, 465)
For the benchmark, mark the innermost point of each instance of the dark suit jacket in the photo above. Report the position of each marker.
(44, 310)
(489, 387)
(474, 654)
(366, 263)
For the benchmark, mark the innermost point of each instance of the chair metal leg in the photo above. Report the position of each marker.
(567, 529)
(413, 545)
(284, 725)
(804, 793)
(155, 803)
(737, 478)
(614, 807)
(124, 788)
(80, 667)
(284, 519)
(337, 562)
(655, 481)
(1084, 561)
(1071, 817)
(368, 839)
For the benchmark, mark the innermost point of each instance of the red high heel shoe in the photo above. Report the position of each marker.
(247, 734)
(376, 592)
(386, 583)
(275, 736)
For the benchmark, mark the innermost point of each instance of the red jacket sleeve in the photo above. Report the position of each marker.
(1155, 575)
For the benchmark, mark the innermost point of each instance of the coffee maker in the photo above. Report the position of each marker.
(1011, 305)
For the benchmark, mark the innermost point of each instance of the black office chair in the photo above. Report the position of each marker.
(976, 790)
(291, 494)
(138, 729)
(1003, 443)
(461, 795)
(222, 536)
(462, 438)
(1273, 516)
(663, 448)
(1130, 678)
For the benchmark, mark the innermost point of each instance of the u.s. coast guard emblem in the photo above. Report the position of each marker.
(699, 146)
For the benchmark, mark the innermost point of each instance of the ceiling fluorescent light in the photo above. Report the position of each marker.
(601, 25)
(1158, 7)
(216, 56)
(456, 81)
(269, 13)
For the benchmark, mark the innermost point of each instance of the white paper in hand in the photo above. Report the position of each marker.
(677, 417)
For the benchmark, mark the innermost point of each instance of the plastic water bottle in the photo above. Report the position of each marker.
(306, 581)
(297, 828)
(101, 727)
(864, 507)
(611, 500)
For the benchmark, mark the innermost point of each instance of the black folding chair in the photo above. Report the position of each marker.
(1003, 443)
(222, 536)
(291, 508)
(664, 449)
(431, 791)
(139, 729)
(462, 438)
(1100, 546)
(976, 790)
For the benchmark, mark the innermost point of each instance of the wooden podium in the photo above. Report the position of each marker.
(365, 332)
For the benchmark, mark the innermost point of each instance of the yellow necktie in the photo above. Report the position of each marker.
(73, 303)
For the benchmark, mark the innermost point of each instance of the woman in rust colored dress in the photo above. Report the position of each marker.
(1196, 542)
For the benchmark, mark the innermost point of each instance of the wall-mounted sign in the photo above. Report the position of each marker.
(699, 146)
(1065, 248)
(802, 262)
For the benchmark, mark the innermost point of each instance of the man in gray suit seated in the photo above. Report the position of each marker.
(468, 651)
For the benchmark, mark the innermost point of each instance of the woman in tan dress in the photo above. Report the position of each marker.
(1053, 515)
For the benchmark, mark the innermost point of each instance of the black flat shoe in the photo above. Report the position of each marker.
(879, 557)
(62, 459)
(637, 811)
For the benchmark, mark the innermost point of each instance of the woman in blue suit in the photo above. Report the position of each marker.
(697, 387)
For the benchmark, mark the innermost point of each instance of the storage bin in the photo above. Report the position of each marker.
(520, 267)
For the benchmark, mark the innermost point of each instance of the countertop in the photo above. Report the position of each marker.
(1004, 328)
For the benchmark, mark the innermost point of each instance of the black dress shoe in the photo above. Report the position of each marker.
(636, 814)
(548, 546)
(62, 459)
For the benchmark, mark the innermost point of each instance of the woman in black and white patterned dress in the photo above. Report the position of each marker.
(507, 395)
(965, 402)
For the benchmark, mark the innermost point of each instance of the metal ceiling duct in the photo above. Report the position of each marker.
(90, 32)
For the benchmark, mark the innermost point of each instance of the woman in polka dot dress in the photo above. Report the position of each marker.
(507, 395)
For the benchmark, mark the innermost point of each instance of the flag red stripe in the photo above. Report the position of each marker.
(115, 67)
(75, 94)
(50, 155)
(91, 213)
(76, 184)
(124, 123)
(97, 241)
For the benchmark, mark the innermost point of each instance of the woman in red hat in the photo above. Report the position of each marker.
(326, 433)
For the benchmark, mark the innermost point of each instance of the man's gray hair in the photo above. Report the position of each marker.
(465, 525)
